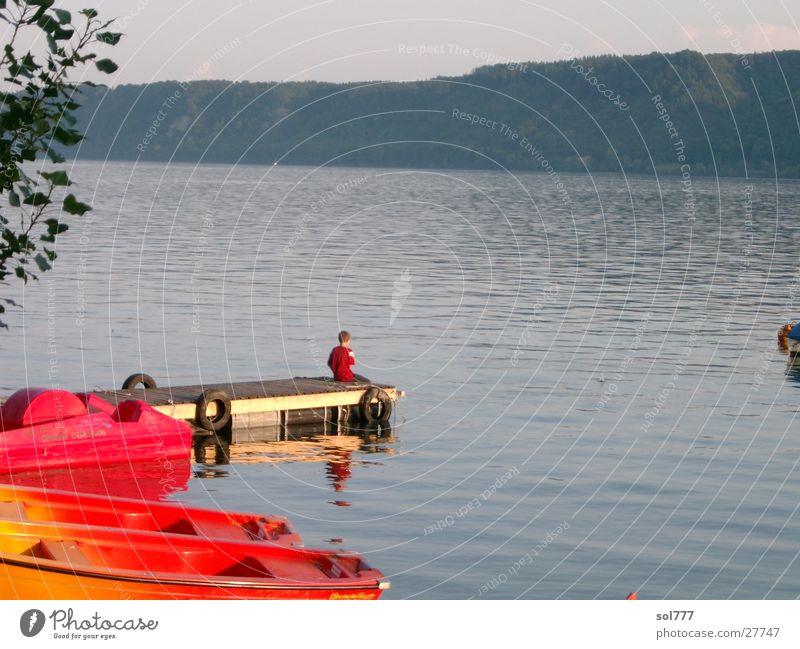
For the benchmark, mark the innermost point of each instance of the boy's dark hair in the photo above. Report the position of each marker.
(344, 336)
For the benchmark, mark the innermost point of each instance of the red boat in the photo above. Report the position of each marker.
(44, 559)
(45, 429)
(66, 508)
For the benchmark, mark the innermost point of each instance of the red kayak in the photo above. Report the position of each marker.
(45, 429)
(53, 559)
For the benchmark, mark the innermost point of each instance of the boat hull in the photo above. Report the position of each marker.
(109, 514)
(57, 545)
(50, 429)
(23, 582)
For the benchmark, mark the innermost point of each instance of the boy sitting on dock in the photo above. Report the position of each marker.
(342, 358)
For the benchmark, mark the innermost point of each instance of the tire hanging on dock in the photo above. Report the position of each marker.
(223, 415)
(367, 409)
(147, 381)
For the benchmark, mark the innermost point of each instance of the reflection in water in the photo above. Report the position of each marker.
(338, 470)
(793, 369)
(151, 480)
(210, 473)
(306, 445)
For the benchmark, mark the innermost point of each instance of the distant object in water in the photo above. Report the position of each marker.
(789, 338)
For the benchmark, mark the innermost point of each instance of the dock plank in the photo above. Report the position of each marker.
(248, 397)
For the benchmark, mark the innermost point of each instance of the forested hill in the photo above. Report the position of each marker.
(721, 114)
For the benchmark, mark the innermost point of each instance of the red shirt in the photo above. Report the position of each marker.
(339, 361)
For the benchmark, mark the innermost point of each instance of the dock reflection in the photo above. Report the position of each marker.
(339, 452)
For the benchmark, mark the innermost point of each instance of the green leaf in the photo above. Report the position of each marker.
(63, 34)
(73, 206)
(57, 178)
(9, 50)
(106, 65)
(67, 136)
(43, 5)
(47, 23)
(109, 38)
(13, 198)
(36, 199)
(54, 226)
(64, 16)
(11, 240)
(42, 263)
(54, 156)
(89, 13)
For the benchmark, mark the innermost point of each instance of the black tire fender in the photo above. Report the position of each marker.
(147, 381)
(223, 416)
(384, 406)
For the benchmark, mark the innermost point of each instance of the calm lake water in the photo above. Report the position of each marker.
(595, 401)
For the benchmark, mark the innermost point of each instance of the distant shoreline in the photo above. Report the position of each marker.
(682, 114)
(630, 175)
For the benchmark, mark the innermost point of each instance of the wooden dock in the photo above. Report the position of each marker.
(253, 410)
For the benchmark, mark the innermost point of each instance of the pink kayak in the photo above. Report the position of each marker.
(46, 429)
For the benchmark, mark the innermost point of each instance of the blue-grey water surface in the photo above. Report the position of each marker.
(595, 400)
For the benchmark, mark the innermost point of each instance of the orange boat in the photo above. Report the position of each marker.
(200, 556)
(65, 508)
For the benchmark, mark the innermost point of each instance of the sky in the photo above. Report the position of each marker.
(355, 40)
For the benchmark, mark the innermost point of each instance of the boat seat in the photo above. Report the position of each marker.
(145, 520)
(13, 510)
(62, 551)
(261, 529)
(249, 566)
(142, 520)
(344, 567)
(294, 570)
(180, 526)
(221, 530)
